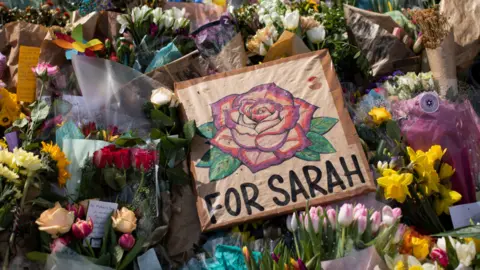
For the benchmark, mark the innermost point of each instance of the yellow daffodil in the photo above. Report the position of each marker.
(421, 247)
(446, 171)
(400, 265)
(475, 241)
(379, 115)
(446, 199)
(430, 182)
(435, 153)
(61, 160)
(395, 185)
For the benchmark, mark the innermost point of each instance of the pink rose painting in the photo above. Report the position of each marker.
(262, 128)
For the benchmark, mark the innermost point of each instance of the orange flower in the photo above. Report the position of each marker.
(410, 239)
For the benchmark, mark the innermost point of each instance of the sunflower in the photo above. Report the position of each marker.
(59, 157)
(9, 108)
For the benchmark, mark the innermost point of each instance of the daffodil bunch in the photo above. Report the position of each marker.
(422, 188)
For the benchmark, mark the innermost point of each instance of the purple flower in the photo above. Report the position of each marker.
(275, 257)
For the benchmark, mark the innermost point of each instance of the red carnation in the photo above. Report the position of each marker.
(121, 159)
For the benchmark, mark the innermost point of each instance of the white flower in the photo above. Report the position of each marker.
(140, 14)
(442, 244)
(178, 13)
(263, 50)
(291, 19)
(169, 21)
(7, 173)
(123, 20)
(316, 34)
(179, 23)
(27, 160)
(162, 96)
(266, 19)
(157, 16)
(465, 252)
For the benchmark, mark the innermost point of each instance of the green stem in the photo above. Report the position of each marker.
(90, 248)
(296, 244)
(139, 186)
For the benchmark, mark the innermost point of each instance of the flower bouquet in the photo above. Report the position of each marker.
(64, 235)
(327, 234)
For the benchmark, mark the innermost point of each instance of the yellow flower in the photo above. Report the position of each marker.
(446, 171)
(7, 158)
(415, 267)
(379, 115)
(3, 144)
(124, 220)
(9, 108)
(435, 153)
(61, 160)
(475, 241)
(430, 182)
(400, 265)
(421, 247)
(447, 198)
(395, 185)
(27, 160)
(7, 173)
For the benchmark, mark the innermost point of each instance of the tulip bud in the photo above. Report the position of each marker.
(362, 224)
(126, 241)
(314, 218)
(77, 209)
(376, 220)
(390, 216)
(289, 223)
(399, 234)
(82, 228)
(439, 256)
(359, 211)
(332, 217)
(345, 215)
(246, 254)
(294, 223)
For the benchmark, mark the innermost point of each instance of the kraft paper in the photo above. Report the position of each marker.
(272, 136)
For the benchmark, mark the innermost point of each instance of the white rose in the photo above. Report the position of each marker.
(316, 35)
(162, 96)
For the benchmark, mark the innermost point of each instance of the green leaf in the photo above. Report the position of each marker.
(223, 166)
(127, 140)
(20, 123)
(465, 232)
(37, 256)
(104, 260)
(161, 118)
(207, 130)
(156, 133)
(322, 125)
(320, 144)
(393, 130)
(189, 130)
(42, 202)
(178, 142)
(40, 111)
(132, 254)
(118, 254)
(208, 158)
(106, 229)
(178, 176)
(308, 155)
(109, 175)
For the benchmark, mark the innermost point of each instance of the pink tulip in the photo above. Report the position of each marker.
(82, 228)
(439, 256)
(361, 224)
(126, 241)
(332, 217)
(376, 220)
(359, 211)
(43, 70)
(399, 234)
(59, 243)
(390, 216)
(315, 219)
(345, 215)
(77, 209)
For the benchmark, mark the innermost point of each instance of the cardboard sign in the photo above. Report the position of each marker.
(26, 87)
(272, 137)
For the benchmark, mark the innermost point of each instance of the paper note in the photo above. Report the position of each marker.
(462, 214)
(149, 261)
(100, 212)
(26, 87)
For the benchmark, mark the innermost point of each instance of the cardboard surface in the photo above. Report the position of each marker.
(274, 135)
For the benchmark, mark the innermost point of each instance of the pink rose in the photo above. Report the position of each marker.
(262, 127)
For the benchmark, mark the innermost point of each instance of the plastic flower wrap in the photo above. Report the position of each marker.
(409, 85)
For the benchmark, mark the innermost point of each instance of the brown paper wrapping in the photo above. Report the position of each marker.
(442, 65)
(310, 77)
(287, 45)
(463, 15)
(188, 67)
(198, 13)
(372, 33)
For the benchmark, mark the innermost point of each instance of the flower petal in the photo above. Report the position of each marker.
(266, 125)
(306, 111)
(256, 160)
(271, 142)
(296, 141)
(267, 91)
(224, 140)
(218, 109)
(289, 117)
(244, 140)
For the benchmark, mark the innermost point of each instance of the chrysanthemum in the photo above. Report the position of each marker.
(59, 157)
(7, 173)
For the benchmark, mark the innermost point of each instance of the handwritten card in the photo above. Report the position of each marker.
(462, 214)
(100, 212)
(26, 87)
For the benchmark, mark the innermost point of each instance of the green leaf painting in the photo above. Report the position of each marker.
(322, 125)
(320, 144)
(308, 155)
(207, 130)
(223, 166)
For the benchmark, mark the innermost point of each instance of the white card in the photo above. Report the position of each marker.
(461, 214)
(100, 212)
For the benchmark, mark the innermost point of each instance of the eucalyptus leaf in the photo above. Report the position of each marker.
(320, 144)
(223, 166)
(207, 130)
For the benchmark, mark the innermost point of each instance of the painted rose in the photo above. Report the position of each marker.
(262, 127)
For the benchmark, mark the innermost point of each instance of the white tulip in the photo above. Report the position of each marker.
(316, 35)
(169, 21)
(123, 21)
(157, 15)
(465, 252)
(291, 20)
(178, 13)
